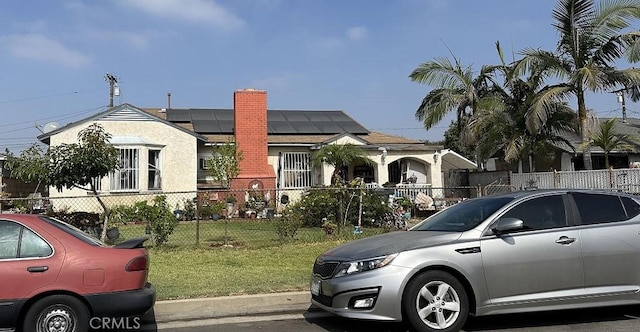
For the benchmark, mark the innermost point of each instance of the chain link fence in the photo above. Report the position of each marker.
(246, 218)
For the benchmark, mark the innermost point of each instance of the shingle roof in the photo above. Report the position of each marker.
(320, 126)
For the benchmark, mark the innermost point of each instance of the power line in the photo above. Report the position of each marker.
(40, 97)
(63, 117)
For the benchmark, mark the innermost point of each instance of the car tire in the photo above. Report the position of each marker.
(66, 312)
(435, 301)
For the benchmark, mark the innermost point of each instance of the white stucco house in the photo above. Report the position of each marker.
(163, 149)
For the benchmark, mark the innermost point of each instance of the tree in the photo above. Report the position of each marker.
(224, 163)
(502, 120)
(456, 88)
(609, 140)
(591, 39)
(74, 165)
(339, 156)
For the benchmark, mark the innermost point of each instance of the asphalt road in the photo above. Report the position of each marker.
(618, 319)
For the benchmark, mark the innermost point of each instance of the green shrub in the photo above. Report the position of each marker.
(288, 225)
(159, 217)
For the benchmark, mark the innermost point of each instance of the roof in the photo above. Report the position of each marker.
(121, 112)
(279, 122)
(631, 127)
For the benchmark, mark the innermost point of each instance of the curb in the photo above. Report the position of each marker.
(230, 306)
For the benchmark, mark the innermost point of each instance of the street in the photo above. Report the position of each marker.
(619, 319)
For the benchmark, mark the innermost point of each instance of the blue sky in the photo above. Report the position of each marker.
(352, 55)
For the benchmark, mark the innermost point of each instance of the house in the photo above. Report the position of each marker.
(569, 157)
(12, 188)
(164, 149)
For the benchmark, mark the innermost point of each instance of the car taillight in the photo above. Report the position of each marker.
(137, 264)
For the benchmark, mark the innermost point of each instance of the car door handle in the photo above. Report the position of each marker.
(565, 240)
(35, 269)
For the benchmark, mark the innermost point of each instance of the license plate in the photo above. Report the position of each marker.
(315, 286)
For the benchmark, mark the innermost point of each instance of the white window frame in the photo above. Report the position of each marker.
(127, 176)
(295, 170)
(154, 169)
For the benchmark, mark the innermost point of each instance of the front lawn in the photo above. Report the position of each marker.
(254, 259)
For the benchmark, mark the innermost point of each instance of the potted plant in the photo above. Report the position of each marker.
(216, 209)
(231, 201)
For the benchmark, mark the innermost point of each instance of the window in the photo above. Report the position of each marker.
(599, 208)
(204, 165)
(631, 207)
(154, 170)
(126, 177)
(540, 213)
(17, 241)
(295, 170)
(31, 245)
(9, 239)
(97, 183)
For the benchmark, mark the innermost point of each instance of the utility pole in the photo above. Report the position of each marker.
(620, 94)
(113, 87)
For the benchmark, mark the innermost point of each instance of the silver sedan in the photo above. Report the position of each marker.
(515, 252)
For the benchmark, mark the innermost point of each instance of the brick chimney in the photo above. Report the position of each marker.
(250, 130)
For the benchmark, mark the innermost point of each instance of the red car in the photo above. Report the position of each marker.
(54, 277)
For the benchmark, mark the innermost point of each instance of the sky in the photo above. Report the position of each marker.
(349, 55)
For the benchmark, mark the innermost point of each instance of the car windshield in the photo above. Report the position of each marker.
(74, 231)
(463, 216)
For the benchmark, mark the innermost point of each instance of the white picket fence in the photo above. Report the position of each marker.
(625, 179)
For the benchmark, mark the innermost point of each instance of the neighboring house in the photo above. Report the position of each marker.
(164, 150)
(12, 188)
(569, 158)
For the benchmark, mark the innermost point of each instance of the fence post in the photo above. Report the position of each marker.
(479, 191)
(611, 179)
(197, 220)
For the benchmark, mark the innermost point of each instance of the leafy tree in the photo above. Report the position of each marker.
(69, 166)
(501, 122)
(224, 163)
(609, 140)
(340, 156)
(591, 39)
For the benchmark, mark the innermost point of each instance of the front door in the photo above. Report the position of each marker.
(540, 263)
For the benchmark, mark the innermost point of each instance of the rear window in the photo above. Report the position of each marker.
(74, 231)
(599, 208)
(631, 206)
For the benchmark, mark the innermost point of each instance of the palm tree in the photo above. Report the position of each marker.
(500, 124)
(340, 156)
(609, 140)
(592, 38)
(456, 88)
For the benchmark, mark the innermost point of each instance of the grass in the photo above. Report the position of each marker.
(258, 261)
(197, 272)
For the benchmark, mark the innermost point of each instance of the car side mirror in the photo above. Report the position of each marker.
(507, 225)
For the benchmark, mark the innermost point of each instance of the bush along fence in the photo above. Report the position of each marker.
(251, 218)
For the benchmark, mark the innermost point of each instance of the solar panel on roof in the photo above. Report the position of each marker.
(206, 126)
(328, 127)
(178, 115)
(281, 127)
(294, 116)
(317, 116)
(305, 127)
(223, 114)
(201, 114)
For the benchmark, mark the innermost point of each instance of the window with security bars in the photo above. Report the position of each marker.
(97, 183)
(295, 170)
(155, 182)
(126, 177)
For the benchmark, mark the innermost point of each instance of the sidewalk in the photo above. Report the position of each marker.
(231, 306)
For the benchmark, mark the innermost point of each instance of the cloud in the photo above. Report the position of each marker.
(357, 33)
(195, 11)
(35, 46)
(331, 44)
